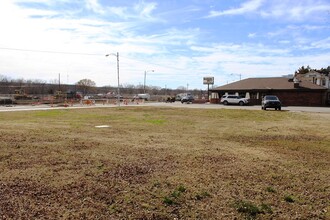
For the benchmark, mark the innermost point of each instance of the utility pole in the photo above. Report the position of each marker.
(59, 82)
(145, 77)
(118, 90)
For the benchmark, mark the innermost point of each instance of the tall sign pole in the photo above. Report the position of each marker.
(207, 81)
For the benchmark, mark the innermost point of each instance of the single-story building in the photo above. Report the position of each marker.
(291, 92)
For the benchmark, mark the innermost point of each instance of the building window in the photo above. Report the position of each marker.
(253, 95)
(323, 83)
(242, 94)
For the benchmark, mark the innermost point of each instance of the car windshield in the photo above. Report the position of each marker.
(271, 98)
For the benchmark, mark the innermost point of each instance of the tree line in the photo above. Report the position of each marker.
(304, 70)
(84, 86)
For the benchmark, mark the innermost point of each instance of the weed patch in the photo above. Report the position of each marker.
(251, 210)
(289, 199)
(173, 198)
(270, 189)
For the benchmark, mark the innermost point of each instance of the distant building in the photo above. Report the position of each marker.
(291, 92)
(316, 78)
(288, 76)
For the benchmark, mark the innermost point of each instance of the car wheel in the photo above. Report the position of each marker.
(225, 103)
(241, 103)
(279, 108)
(265, 108)
(262, 108)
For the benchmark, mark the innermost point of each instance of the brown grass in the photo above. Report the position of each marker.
(163, 163)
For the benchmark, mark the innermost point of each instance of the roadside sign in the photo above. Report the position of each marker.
(208, 80)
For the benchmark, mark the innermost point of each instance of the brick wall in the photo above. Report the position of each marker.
(301, 98)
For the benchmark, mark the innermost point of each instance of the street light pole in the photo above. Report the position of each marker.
(145, 76)
(118, 90)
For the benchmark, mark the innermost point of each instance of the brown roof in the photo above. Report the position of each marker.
(276, 83)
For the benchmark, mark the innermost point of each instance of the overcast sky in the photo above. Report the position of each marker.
(182, 40)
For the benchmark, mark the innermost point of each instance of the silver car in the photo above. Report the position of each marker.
(234, 99)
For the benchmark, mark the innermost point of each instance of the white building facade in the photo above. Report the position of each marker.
(316, 78)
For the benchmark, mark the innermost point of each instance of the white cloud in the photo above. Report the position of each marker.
(89, 36)
(253, 60)
(145, 9)
(303, 10)
(284, 10)
(247, 7)
(322, 44)
(94, 6)
(139, 12)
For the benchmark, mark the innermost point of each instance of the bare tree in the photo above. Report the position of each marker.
(4, 79)
(86, 85)
(129, 88)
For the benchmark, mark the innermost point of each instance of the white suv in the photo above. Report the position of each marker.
(234, 99)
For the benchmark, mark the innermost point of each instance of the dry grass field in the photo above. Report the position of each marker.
(164, 163)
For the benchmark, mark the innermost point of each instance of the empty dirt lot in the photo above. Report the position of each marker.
(164, 163)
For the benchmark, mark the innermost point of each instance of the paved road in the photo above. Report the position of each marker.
(162, 104)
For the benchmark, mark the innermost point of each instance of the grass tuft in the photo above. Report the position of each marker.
(181, 189)
(172, 199)
(247, 208)
(251, 210)
(289, 198)
(266, 208)
(270, 189)
(202, 195)
(168, 201)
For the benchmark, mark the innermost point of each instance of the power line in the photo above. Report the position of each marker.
(85, 54)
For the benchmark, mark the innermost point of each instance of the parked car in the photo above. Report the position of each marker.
(187, 99)
(271, 101)
(234, 99)
(179, 96)
(144, 96)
